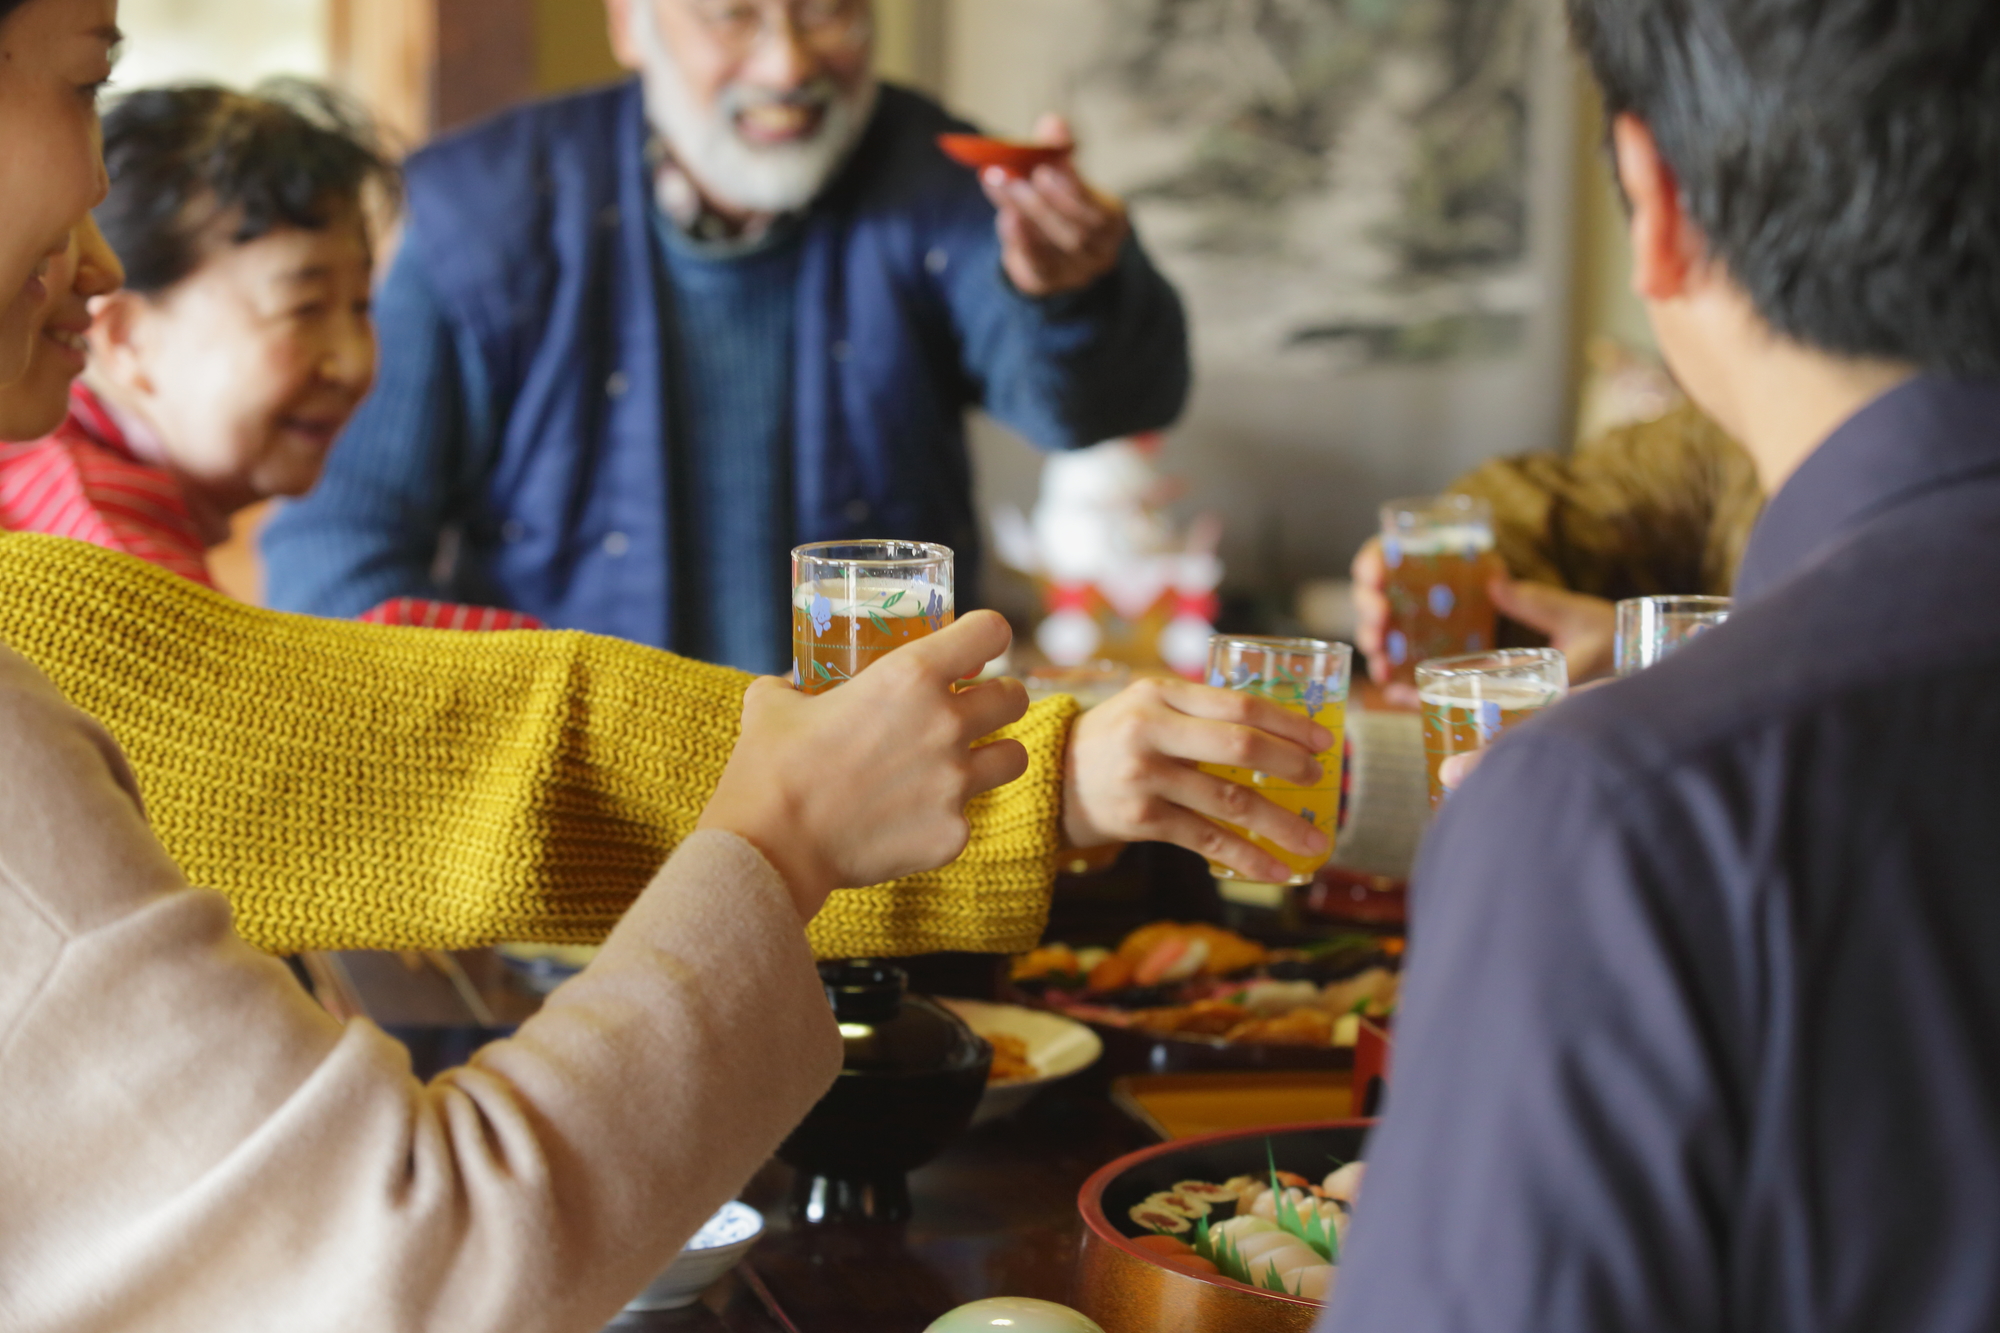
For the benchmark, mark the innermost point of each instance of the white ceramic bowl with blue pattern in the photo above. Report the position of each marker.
(720, 1244)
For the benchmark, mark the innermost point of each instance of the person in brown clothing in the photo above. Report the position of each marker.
(1657, 508)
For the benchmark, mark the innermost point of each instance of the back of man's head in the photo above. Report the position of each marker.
(1841, 158)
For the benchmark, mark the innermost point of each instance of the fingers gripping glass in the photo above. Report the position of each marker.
(1303, 676)
(854, 602)
(741, 26)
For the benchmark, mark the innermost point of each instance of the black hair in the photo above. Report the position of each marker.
(1841, 158)
(9, 6)
(183, 160)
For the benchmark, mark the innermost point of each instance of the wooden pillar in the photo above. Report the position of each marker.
(427, 66)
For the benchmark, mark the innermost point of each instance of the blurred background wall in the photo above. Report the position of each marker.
(1293, 466)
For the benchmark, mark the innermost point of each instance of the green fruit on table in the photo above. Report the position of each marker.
(1016, 1314)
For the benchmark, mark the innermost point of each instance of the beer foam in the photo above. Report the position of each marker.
(1484, 691)
(892, 599)
(1456, 539)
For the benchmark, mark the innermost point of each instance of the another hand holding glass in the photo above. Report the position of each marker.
(1470, 701)
(1303, 676)
(1438, 558)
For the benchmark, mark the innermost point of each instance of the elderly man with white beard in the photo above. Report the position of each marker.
(641, 341)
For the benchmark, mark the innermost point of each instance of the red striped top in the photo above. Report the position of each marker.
(85, 482)
(446, 615)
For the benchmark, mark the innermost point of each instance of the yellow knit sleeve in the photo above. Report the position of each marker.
(353, 786)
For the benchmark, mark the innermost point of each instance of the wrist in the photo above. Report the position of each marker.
(807, 880)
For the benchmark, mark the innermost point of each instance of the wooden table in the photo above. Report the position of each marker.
(995, 1215)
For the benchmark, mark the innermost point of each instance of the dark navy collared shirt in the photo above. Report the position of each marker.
(1702, 1024)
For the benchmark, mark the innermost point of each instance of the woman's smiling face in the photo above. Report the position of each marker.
(55, 55)
(36, 403)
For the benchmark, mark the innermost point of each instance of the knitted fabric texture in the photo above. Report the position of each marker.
(354, 786)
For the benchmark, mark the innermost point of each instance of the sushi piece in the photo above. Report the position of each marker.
(1240, 1229)
(1192, 1263)
(1165, 1221)
(1256, 1249)
(1316, 1284)
(1183, 1204)
(1207, 1193)
(1344, 1184)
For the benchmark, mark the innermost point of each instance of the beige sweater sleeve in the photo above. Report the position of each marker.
(187, 1142)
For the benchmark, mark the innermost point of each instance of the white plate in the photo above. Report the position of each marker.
(1057, 1047)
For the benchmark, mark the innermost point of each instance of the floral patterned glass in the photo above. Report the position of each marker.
(1438, 551)
(1469, 701)
(1305, 676)
(852, 602)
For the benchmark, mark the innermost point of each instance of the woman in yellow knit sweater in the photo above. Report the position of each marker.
(191, 1143)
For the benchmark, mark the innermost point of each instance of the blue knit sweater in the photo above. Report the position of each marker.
(729, 379)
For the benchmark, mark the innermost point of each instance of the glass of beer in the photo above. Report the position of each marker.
(1649, 628)
(1438, 551)
(854, 601)
(1305, 676)
(1469, 701)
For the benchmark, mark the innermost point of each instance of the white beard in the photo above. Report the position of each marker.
(756, 178)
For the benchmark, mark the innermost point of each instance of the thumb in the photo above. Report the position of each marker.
(964, 647)
(1054, 131)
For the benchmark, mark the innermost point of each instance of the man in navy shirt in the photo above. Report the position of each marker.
(1702, 1024)
(640, 342)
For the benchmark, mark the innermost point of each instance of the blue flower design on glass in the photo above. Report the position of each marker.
(1315, 697)
(821, 612)
(1240, 678)
(1442, 599)
(1308, 816)
(1392, 553)
(934, 611)
(1217, 679)
(1489, 721)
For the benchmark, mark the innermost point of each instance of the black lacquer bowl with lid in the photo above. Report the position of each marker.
(910, 1082)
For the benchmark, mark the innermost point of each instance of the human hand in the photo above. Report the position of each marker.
(868, 782)
(1057, 233)
(1129, 775)
(1370, 573)
(1584, 629)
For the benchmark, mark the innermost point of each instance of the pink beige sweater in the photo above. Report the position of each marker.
(188, 1143)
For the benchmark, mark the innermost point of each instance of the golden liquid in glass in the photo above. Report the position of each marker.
(841, 626)
(1455, 724)
(1319, 805)
(1438, 602)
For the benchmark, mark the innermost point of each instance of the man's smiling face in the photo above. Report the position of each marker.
(760, 100)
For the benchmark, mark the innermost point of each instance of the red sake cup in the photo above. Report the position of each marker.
(1016, 159)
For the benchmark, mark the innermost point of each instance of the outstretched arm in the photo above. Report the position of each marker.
(353, 786)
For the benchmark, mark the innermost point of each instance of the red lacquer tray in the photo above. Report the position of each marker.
(1126, 1289)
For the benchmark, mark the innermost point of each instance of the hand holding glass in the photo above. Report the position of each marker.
(1303, 676)
(1470, 701)
(1438, 558)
